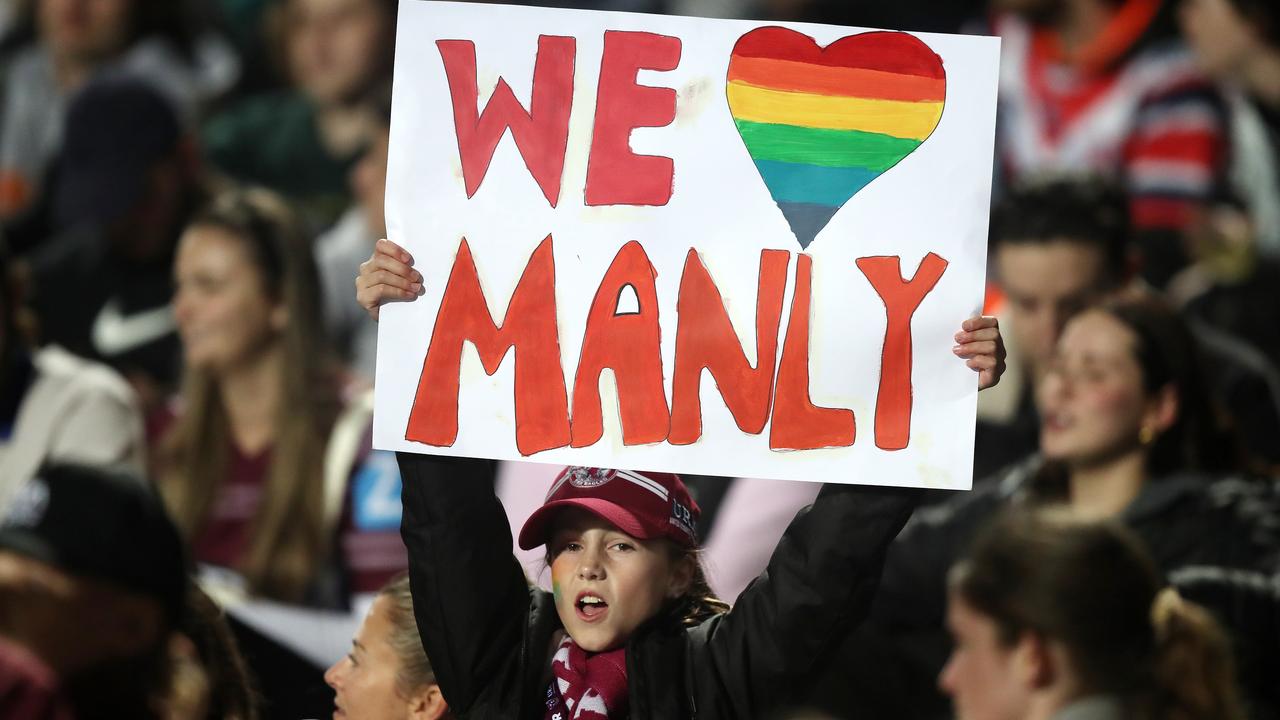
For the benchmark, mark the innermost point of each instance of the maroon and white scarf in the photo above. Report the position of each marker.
(587, 686)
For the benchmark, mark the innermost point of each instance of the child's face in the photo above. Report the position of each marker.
(606, 583)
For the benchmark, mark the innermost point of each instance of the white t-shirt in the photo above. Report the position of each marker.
(77, 411)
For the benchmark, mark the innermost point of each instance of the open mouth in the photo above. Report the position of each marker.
(590, 607)
(1055, 421)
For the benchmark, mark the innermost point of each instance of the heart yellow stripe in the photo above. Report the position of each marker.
(912, 120)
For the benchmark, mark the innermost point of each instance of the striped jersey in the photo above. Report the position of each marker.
(1149, 120)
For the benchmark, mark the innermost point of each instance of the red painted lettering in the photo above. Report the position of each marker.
(705, 339)
(615, 175)
(901, 298)
(541, 134)
(629, 345)
(542, 417)
(797, 423)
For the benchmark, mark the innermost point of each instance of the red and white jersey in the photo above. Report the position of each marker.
(1148, 119)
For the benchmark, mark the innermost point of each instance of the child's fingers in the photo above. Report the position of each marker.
(386, 263)
(375, 296)
(385, 292)
(373, 287)
(965, 336)
(989, 370)
(980, 323)
(979, 342)
(970, 349)
(376, 285)
(390, 249)
(387, 276)
(391, 279)
(988, 378)
(981, 362)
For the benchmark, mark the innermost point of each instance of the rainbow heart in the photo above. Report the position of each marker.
(821, 123)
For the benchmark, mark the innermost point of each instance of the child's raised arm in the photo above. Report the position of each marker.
(823, 576)
(470, 597)
(819, 584)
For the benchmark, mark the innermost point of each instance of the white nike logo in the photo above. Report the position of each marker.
(115, 333)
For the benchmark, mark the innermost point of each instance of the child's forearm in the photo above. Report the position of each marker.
(470, 596)
(820, 582)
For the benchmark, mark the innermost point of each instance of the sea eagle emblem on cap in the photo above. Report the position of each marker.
(583, 477)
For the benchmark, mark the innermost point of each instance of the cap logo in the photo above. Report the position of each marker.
(682, 518)
(28, 505)
(582, 477)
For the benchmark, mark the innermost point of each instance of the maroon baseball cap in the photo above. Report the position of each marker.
(645, 505)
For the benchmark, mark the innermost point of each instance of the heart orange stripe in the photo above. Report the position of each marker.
(776, 74)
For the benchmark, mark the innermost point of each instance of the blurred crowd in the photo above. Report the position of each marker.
(188, 189)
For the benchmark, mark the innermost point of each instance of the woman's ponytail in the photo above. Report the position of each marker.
(1092, 587)
(1194, 670)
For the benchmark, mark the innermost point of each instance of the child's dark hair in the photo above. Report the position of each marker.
(699, 602)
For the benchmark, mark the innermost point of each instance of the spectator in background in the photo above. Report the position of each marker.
(302, 142)
(1231, 284)
(1129, 433)
(9, 13)
(127, 184)
(249, 25)
(387, 675)
(1054, 617)
(613, 5)
(910, 15)
(92, 575)
(373, 507)
(341, 249)
(55, 406)
(1238, 43)
(209, 678)
(254, 467)
(59, 46)
(1235, 243)
(1101, 86)
(1059, 246)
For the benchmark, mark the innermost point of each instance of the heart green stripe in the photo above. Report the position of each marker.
(820, 146)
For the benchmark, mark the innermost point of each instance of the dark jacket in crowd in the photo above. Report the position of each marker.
(1214, 539)
(490, 636)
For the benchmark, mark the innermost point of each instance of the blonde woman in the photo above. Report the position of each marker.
(387, 675)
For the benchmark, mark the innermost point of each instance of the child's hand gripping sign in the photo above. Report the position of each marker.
(697, 246)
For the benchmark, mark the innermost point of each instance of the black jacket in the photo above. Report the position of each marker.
(1212, 538)
(489, 635)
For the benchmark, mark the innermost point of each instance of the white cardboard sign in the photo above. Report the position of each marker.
(704, 246)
